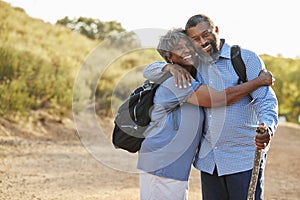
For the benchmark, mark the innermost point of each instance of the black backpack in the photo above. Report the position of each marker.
(133, 117)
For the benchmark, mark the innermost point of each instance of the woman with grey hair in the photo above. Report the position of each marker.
(177, 118)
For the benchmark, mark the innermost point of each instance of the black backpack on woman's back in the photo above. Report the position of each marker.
(133, 117)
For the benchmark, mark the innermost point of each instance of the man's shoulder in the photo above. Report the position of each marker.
(226, 49)
(247, 52)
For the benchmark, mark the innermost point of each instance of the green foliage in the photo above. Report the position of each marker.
(39, 64)
(110, 75)
(92, 28)
(287, 84)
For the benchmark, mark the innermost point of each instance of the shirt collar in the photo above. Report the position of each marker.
(225, 50)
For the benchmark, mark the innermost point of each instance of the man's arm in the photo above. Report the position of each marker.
(264, 101)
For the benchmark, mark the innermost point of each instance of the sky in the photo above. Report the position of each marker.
(263, 26)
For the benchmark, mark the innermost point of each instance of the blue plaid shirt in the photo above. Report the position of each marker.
(228, 136)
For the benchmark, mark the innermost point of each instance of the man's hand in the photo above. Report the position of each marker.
(263, 136)
(182, 78)
(266, 77)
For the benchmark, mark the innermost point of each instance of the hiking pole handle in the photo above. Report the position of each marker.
(255, 171)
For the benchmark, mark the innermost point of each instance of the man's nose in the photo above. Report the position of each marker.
(202, 40)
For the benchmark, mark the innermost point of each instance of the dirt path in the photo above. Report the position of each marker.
(61, 168)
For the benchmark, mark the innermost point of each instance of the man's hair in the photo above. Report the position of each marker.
(168, 41)
(196, 19)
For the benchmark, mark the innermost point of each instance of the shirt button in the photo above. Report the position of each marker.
(215, 147)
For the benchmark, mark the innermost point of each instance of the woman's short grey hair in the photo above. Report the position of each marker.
(168, 42)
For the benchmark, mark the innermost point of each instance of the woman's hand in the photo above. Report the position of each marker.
(182, 78)
(266, 77)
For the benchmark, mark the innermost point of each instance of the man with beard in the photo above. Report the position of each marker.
(226, 155)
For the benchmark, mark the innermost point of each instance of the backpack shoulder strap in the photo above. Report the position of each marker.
(238, 63)
(164, 77)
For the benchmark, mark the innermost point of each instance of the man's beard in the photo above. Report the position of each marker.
(212, 54)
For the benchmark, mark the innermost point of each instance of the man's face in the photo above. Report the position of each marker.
(205, 38)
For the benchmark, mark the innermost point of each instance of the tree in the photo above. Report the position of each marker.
(92, 28)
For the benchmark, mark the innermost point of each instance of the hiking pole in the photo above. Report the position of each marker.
(261, 129)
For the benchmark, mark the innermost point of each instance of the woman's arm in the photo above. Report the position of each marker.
(208, 97)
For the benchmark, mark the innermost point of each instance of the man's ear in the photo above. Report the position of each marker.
(217, 29)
